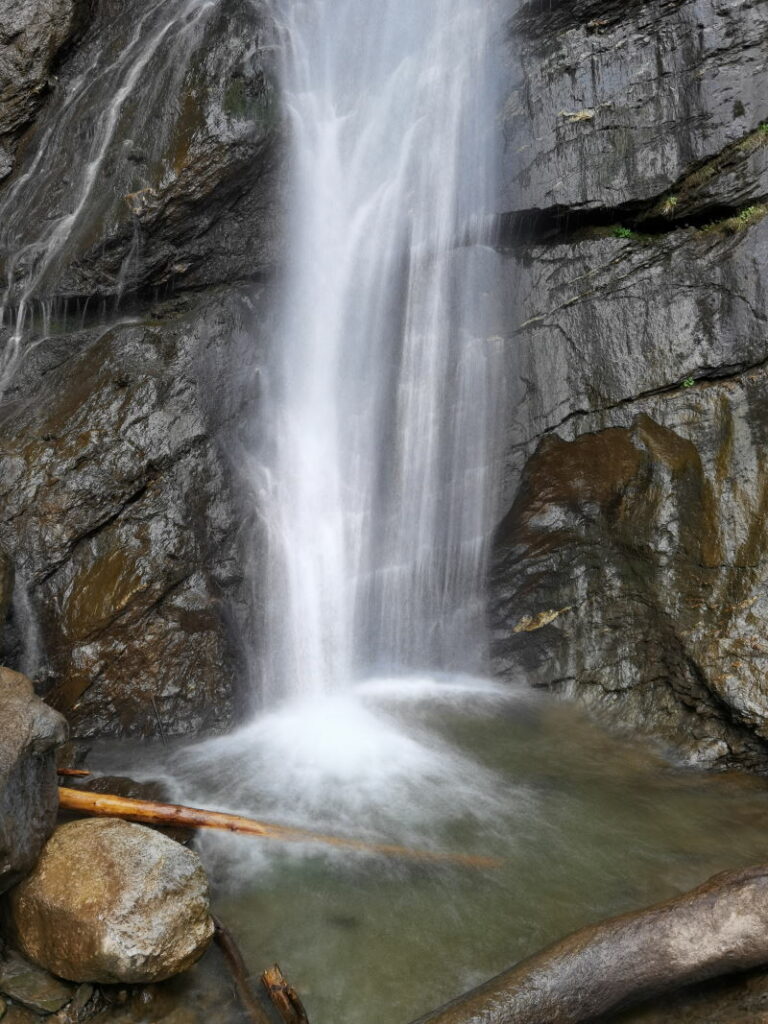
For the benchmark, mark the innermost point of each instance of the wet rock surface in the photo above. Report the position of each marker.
(617, 100)
(32, 35)
(31, 986)
(174, 105)
(30, 731)
(631, 563)
(122, 522)
(139, 914)
(123, 512)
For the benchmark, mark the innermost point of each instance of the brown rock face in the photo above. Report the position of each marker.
(30, 731)
(31, 34)
(128, 552)
(138, 913)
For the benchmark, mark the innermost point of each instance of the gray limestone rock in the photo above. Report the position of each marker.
(30, 731)
(32, 32)
(631, 562)
(616, 101)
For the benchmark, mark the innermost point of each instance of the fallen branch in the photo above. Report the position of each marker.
(719, 928)
(226, 943)
(151, 813)
(79, 773)
(284, 997)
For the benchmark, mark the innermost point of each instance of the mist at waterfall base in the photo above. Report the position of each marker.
(376, 477)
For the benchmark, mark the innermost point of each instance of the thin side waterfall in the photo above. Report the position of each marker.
(100, 118)
(383, 385)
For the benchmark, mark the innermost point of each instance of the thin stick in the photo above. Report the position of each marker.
(226, 943)
(284, 996)
(151, 813)
(79, 773)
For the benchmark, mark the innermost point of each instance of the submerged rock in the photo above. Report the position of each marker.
(30, 731)
(31, 986)
(140, 913)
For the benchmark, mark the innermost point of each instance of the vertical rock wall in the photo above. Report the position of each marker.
(122, 505)
(631, 566)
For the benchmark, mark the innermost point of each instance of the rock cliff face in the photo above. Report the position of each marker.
(630, 568)
(138, 231)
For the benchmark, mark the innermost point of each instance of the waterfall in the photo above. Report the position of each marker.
(382, 387)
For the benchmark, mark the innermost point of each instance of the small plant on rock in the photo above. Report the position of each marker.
(688, 382)
(622, 232)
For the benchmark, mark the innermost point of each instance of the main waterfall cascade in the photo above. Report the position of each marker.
(381, 393)
(382, 388)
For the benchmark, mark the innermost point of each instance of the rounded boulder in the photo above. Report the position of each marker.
(113, 902)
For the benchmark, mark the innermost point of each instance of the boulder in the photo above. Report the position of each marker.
(138, 914)
(30, 731)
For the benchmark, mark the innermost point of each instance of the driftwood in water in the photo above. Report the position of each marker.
(284, 997)
(719, 928)
(226, 943)
(151, 813)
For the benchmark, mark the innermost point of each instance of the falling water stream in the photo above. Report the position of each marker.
(376, 477)
(381, 390)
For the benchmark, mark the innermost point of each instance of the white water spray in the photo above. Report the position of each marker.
(381, 394)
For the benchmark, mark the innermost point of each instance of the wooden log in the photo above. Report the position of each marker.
(718, 928)
(284, 997)
(226, 943)
(79, 773)
(152, 813)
